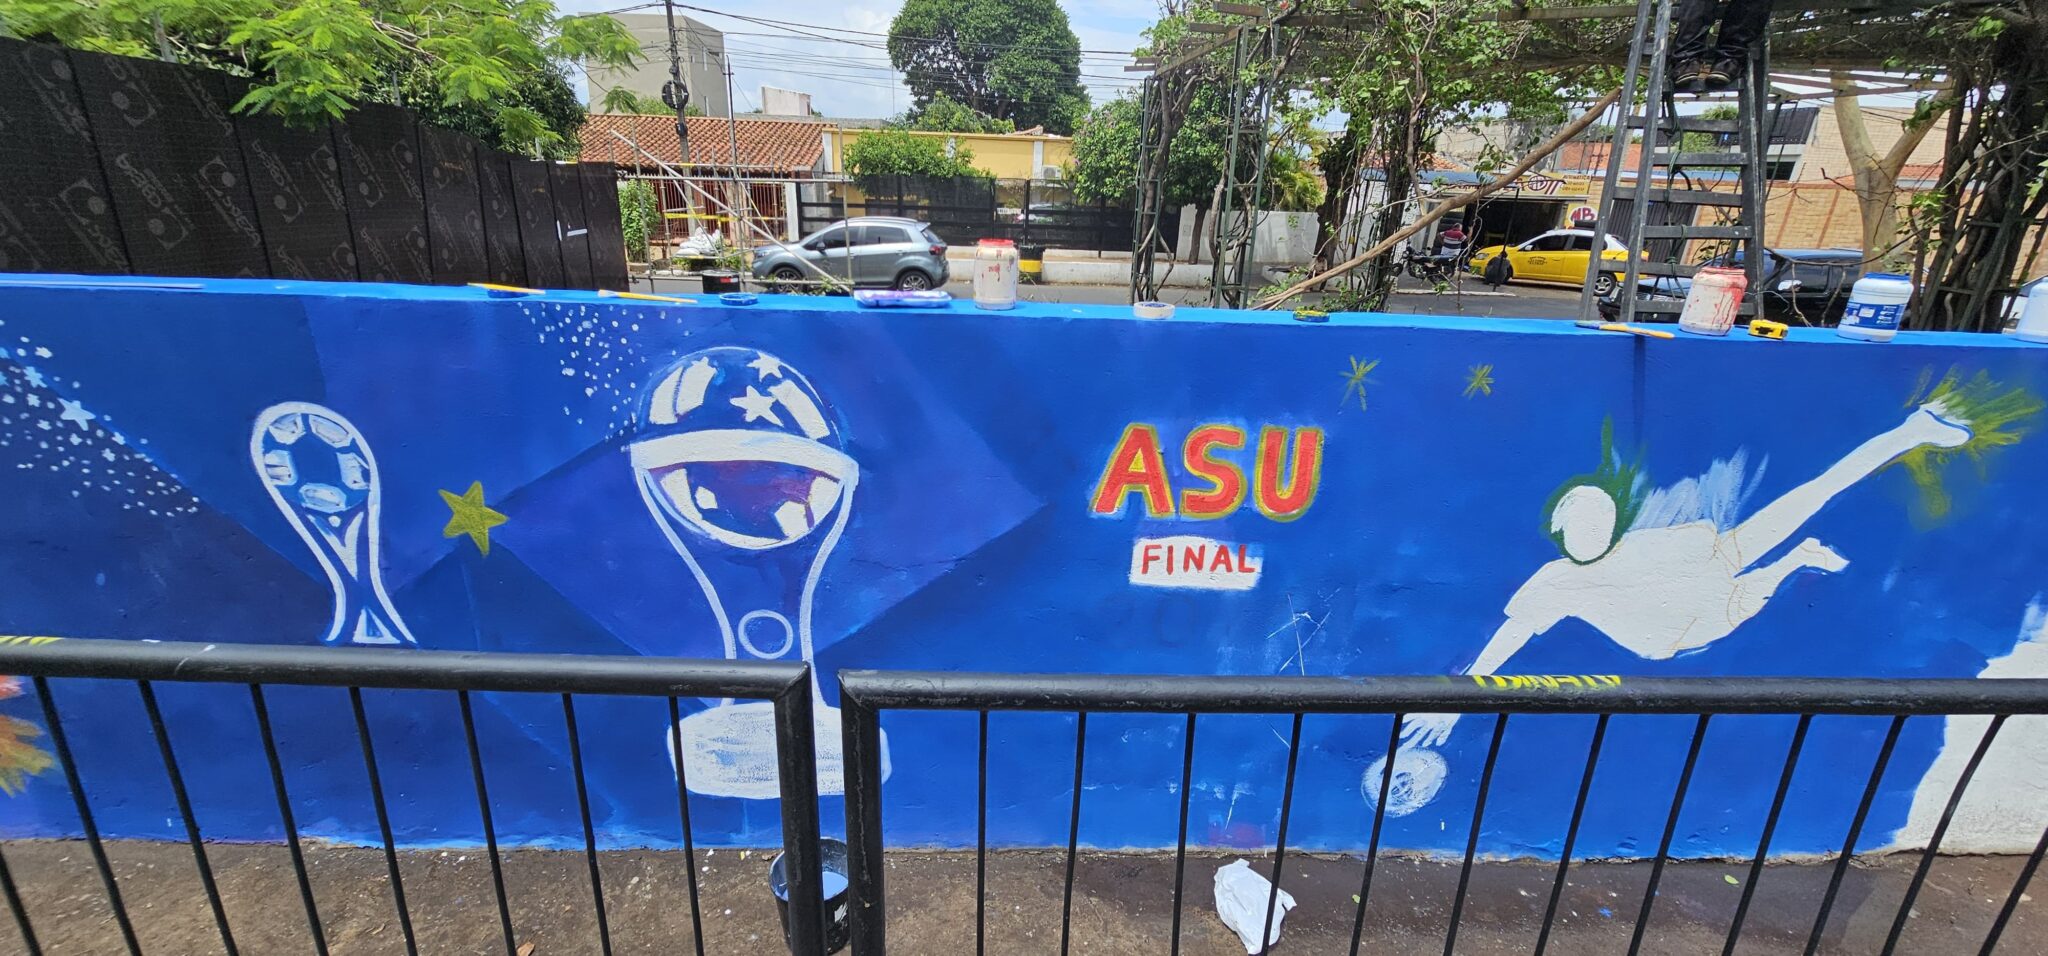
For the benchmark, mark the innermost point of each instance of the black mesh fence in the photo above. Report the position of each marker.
(965, 209)
(122, 165)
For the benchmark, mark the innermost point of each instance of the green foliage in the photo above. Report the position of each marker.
(1016, 60)
(1290, 187)
(638, 215)
(1105, 163)
(618, 99)
(944, 114)
(501, 64)
(886, 152)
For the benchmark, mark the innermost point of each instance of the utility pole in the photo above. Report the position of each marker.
(743, 200)
(677, 95)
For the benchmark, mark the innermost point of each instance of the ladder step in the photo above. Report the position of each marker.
(1691, 197)
(1666, 268)
(1675, 306)
(1689, 124)
(1696, 232)
(1700, 159)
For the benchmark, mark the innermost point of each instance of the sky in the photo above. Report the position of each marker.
(833, 51)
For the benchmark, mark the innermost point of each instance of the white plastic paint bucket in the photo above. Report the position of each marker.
(2033, 326)
(1876, 303)
(995, 274)
(1711, 304)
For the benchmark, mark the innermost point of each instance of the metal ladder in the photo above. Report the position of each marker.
(1737, 217)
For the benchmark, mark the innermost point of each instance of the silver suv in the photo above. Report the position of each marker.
(865, 251)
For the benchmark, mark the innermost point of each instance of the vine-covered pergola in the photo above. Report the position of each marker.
(1981, 59)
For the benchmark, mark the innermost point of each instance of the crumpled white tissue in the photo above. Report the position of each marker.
(1241, 902)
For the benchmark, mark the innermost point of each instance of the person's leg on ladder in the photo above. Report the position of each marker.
(1742, 24)
(1691, 52)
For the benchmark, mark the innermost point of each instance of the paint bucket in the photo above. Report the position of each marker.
(995, 274)
(718, 281)
(1711, 304)
(832, 853)
(1031, 258)
(1876, 303)
(2033, 324)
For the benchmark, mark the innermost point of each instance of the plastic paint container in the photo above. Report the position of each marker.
(1153, 310)
(739, 298)
(832, 857)
(1711, 304)
(995, 274)
(1876, 303)
(2033, 325)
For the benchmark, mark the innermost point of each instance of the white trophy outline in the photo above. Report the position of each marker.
(347, 549)
(729, 747)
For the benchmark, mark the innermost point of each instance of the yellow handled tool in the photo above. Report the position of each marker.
(516, 290)
(1619, 327)
(643, 297)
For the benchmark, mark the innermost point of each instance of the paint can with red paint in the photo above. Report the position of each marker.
(1711, 305)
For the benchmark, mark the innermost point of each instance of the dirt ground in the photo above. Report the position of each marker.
(1122, 904)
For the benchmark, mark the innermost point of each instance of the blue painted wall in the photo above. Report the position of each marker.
(965, 452)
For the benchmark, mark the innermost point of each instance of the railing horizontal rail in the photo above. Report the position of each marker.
(397, 669)
(946, 690)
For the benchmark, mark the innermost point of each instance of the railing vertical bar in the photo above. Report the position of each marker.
(1073, 831)
(1280, 838)
(796, 782)
(1180, 842)
(355, 701)
(2012, 902)
(1692, 759)
(1955, 799)
(184, 801)
(1571, 833)
(20, 911)
(981, 837)
(1763, 843)
(675, 738)
(1500, 726)
(861, 736)
(59, 740)
(483, 807)
(604, 931)
(1372, 847)
(1827, 899)
(284, 812)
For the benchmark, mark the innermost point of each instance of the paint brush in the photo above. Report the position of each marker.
(643, 297)
(1619, 327)
(512, 289)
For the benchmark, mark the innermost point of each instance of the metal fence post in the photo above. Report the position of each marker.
(1024, 215)
(861, 732)
(796, 750)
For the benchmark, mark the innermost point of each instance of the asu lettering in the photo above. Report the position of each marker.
(1286, 471)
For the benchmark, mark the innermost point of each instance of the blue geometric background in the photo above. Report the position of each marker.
(971, 545)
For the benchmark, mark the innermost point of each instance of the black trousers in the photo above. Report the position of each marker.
(1742, 24)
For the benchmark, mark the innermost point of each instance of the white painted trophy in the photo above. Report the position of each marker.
(739, 462)
(321, 475)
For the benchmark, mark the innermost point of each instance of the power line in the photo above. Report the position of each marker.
(794, 27)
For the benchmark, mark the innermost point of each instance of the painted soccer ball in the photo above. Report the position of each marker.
(1418, 776)
(739, 448)
(316, 460)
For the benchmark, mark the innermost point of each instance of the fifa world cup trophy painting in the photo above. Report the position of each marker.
(739, 462)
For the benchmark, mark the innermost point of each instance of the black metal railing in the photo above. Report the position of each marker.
(865, 694)
(786, 685)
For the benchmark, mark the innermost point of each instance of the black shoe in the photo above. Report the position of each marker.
(1721, 75)
(1690, 77)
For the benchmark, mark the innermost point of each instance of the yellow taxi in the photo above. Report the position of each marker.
(1558, 256)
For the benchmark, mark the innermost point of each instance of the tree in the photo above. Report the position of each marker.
(944, 114)
(309, 60)
(1876, 175)
(1105, 151)
(1016, 60)
(886, 152)
(618, 99)
(637, 215)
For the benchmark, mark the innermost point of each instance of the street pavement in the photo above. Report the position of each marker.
(1511, 301)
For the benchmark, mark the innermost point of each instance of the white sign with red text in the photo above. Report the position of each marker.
(1191, 561)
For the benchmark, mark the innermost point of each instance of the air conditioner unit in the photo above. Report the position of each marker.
(1051, 172)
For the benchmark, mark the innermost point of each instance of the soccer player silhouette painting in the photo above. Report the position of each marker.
(1669, 572)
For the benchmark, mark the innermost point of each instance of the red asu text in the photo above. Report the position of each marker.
(1283, 485)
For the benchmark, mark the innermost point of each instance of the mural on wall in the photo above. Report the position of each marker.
(321, 475)
(20, 758)
(736, 452)
(1051, 489)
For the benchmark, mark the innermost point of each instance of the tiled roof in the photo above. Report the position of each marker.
(782, 146)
